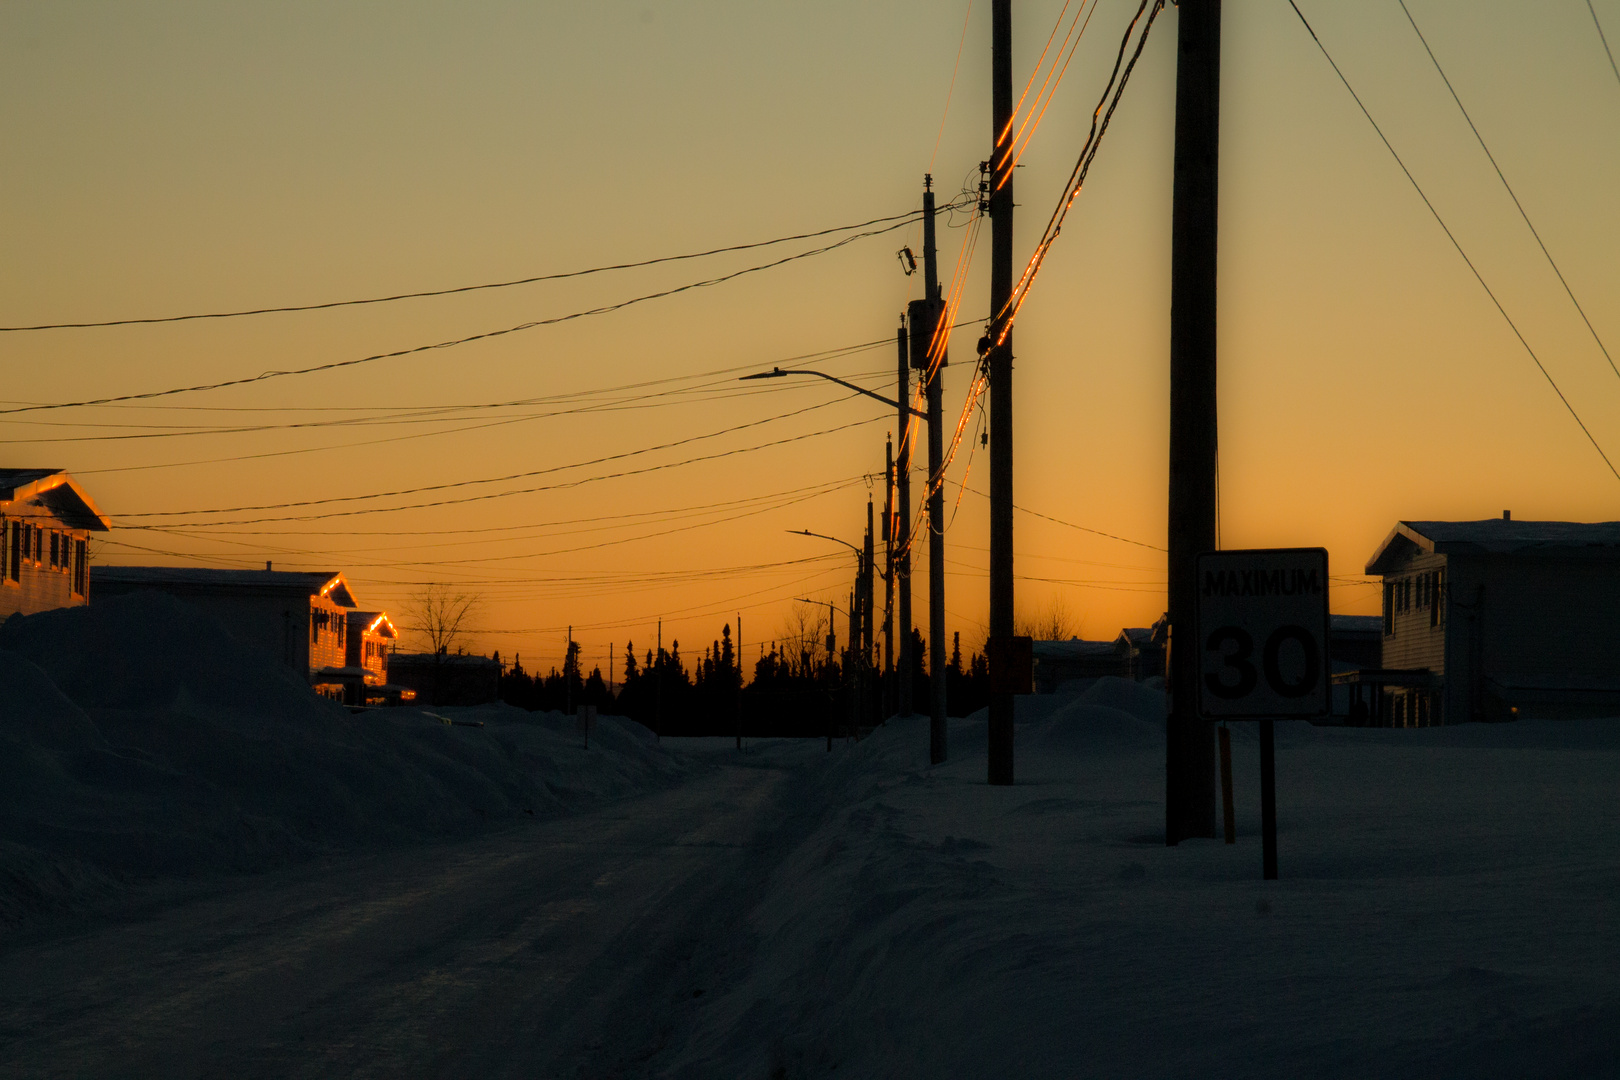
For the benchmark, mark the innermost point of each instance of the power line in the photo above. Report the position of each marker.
(563, 485)
(1068, 524)
(1455, 243)
(777, 503)
(712, 390)
(668, 513)
(1511, 194)
(1605, 40)
(466, 288)
(486, 335)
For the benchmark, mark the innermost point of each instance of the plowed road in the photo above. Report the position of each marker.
(571, 947)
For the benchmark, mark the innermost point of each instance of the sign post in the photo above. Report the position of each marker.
(1263, 629)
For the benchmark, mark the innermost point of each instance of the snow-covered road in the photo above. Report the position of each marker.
(565, 947)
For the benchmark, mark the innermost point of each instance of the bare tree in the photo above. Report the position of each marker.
(441, 618)
(804, 638)
(1052, 623)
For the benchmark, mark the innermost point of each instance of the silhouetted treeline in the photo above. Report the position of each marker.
(792, 691)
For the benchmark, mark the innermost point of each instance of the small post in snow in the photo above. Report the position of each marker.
(1268, 801)
(1226, 784)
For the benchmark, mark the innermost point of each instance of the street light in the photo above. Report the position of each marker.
(777, 373)
(859, 554)
(832, 644)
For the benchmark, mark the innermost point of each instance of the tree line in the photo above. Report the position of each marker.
(795, 687)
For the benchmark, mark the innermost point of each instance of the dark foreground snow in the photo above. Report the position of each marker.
(139, 740)
(1447, 905)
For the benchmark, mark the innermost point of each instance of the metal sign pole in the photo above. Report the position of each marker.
(1268, 800)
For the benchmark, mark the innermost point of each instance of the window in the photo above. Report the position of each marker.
(1389, 608)
(15, 569)
(81, 566)
(1436, 600)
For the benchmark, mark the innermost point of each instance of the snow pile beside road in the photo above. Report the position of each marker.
(1447, 908)
(137, 737)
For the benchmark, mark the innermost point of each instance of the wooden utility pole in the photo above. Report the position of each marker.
(1000, 359)
(868, 593)
(902, 541)
(925, 329)
(737, 653)
(1189, 803)
(888, 577)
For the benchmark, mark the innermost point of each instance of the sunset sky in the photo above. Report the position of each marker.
(165, 159)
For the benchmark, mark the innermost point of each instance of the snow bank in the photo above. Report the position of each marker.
(138, 737)
(1446, 909)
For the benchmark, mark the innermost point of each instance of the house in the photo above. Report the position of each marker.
(45, 524)
(1494, 619)
(447, 678)
(1142, 648)
(371, 638)
(1356, 640)
(1059, 662)
(302, 618)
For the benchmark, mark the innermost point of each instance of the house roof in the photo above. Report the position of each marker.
(1137, 635)
(1360, 624)
(56, 491)
(326, 583)
(1071, 649)
(374, 622)
(1495, 536)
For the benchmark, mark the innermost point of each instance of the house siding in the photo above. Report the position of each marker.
(29, 582)
(1415, 634)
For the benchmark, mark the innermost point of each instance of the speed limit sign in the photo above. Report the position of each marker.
(1263, 634)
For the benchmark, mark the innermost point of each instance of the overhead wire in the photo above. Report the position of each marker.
(561, 485)
(1456, 244)
(600, 309)
(1509, 187)
(1601, 37)
(505, 478)
(951, 91)
(1002, 321)
(327, 305)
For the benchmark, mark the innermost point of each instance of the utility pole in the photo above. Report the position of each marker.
(925, 330)
(658, 685)
(738, 655)
(868, 595)
(1189, 804)
(888, 576)
(999, 360)
(902, 541)
(568, 684)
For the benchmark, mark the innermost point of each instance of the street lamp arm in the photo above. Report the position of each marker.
(776, 373)
(821, 536)
(829, 605)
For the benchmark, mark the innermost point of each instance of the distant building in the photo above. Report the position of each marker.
(45, 524)
(447, 678)
(1487, 620)
(1356, 640)
(1059, 662)
(1142, 648)
(371, 637)
(308, 620)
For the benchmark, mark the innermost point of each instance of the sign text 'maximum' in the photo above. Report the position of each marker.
(1295, 582)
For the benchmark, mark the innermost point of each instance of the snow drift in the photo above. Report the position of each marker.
(137, 737)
